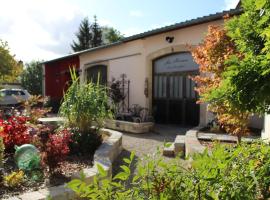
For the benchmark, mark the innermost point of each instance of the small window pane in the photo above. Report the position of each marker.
(176, 87)
(193, 92)
(187, 87)
(160, 86)
(180, 87)
(156, 86)
(164, 91)
(171, 86)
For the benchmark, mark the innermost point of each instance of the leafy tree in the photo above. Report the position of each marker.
(10, 69)
(97, 33)
(247, 80)
(31, 77)
(84, 37)
(112, 35)
(211, 55)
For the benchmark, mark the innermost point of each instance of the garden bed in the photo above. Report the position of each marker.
(63, 174)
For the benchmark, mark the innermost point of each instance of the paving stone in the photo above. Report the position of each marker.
(12, 198)
(33, 196)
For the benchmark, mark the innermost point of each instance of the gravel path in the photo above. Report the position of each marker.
(147, 143)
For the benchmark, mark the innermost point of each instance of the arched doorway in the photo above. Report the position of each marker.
(95, 72)
(174, 97)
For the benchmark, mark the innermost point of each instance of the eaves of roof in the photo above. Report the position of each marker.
(188, 23)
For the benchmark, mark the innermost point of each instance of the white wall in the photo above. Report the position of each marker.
(266, 129)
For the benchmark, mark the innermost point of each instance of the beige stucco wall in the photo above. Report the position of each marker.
(135, 60)
(126, 58)
(266, 128)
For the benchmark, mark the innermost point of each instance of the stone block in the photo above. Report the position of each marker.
(56, 193)
(169, 151)
(89, 175)
(33, 196)
(179, 143)
(12, 198)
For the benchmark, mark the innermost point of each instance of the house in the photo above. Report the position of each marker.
(158, 64)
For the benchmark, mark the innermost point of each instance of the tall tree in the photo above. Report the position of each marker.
(84, 37)
(10, 69)
(211, 55)
(112, 35)
(31, 77)
(247, 81)
(97, 33)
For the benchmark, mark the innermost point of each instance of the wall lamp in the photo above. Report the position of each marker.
(169, 39)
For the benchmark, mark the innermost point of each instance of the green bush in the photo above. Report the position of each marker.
(85, 106)
(226, 172)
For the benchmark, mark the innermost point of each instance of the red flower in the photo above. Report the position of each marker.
(14, 131)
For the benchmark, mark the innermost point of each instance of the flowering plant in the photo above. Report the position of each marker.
(14, 131)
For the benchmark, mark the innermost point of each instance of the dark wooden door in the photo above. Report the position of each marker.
(174, 97)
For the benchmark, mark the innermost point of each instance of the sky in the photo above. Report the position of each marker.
(44, 29)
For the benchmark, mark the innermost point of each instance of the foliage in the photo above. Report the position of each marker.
(55, 148)
(227, 172)
(34, 108)
(103, 188)
(85, 105)
(211, 55)
(84, 143)
(93, 35)
(84, 37)
(2, 150)
(116, 91)
(31, 78)
(14, 131)
(10, 69)
(112, 35)
(246, 82)
(14, 179)
(97, 33)
(235, 173)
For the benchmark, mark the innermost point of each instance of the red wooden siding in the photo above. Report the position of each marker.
(57, 76)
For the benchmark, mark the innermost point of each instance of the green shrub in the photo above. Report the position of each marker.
(85, 105)
(227, 172)
(84, 143)
(14, 179)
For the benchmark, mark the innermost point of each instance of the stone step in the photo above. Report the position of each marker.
(169, 151)
(179, 144)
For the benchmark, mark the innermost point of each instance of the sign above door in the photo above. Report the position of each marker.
(175, 63)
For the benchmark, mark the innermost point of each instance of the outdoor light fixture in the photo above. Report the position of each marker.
(146, 87)
(169, 39)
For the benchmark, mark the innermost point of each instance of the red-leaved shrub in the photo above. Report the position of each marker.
(14, 131)
(56, 149)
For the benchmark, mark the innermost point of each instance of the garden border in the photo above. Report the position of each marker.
(192, 144)
(104, 156)
(131, 127)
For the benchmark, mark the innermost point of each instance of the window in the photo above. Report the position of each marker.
(97, 72)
